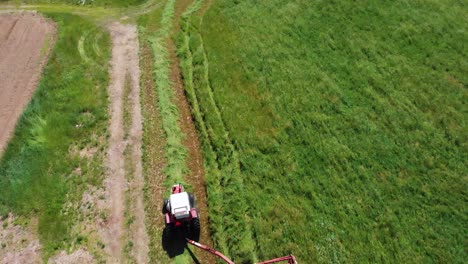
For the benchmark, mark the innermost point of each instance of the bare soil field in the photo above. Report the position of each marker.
(25, 41)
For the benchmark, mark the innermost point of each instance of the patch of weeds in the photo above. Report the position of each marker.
(81, 239)
(103, 216)
(100, 244)
(127, 249)
(127, 107)
(130, 220)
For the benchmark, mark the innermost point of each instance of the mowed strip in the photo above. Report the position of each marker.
(25, 41)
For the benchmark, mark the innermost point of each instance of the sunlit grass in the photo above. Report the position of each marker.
(349, 121)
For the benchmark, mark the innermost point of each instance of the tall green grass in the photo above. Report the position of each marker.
(349, 123)
(67, 114)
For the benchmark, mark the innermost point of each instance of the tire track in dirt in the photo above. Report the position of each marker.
(124, 63)
(7, 23)
(138, 232)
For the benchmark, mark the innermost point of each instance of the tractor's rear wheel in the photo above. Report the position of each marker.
(195, 229)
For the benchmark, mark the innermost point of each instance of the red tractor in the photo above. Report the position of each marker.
(181, 215)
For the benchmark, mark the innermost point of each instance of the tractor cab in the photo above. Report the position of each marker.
(180, 205)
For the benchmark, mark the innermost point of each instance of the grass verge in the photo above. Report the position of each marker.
(155, 32)
(153, 138)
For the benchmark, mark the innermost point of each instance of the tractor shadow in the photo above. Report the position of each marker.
(174, 243)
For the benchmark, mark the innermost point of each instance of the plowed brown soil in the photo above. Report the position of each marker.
(25, 41)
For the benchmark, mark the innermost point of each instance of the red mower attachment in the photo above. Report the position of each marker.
(210, 250)
(290, 259)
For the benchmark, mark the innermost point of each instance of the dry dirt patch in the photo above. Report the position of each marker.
(78, 257)
(25, 41)
(18, 244)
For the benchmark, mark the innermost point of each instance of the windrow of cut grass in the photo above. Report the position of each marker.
(221, 159)
(349, 123)
(176, 152)
(155, 30)
(47, 164)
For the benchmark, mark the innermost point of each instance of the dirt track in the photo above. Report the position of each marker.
(25, 41)
(124, 178)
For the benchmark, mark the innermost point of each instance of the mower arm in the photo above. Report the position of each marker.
(210, 250)
(291, 259)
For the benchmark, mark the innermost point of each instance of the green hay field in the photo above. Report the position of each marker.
(333, 130)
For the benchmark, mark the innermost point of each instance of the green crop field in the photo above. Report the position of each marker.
(67, 114)
(333, 130)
